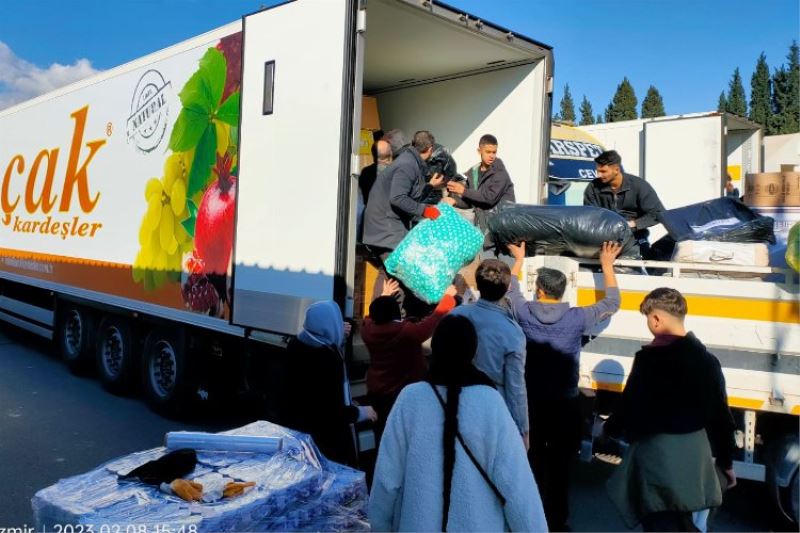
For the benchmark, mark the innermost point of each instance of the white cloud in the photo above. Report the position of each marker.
(21, 80)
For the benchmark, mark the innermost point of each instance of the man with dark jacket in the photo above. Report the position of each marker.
(553, 332)
(396, 204)
(675, 390)
(626, 194)
(488, 183)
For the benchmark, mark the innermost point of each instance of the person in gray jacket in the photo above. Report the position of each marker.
(396, 204)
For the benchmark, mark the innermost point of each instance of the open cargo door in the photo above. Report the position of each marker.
(297, 94)
(684, 159)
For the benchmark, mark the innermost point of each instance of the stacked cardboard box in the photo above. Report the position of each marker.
(773, 189)
(370, 123)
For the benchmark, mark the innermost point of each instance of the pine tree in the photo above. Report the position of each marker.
(567, 106)
(760, 105)
(653, 104)
(723, 102)
(556, 118)
(623, 105)
(587, 115)
(598, 119)
(785, 98)
(737, 103)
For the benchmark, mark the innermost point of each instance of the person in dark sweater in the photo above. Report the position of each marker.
(317, 391)
(553, 331)
(395, 348)
(675, 387)
(488, 184)
(626, 194)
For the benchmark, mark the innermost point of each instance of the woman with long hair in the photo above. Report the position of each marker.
(451, 458)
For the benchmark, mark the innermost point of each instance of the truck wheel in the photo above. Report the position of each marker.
(782, 465)
(75, 332)
(165, 372)
(114, 354)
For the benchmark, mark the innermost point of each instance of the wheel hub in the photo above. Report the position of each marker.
(73, 333)
(112, 352)
(162, 368)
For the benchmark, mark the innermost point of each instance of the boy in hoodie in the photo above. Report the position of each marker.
(674, 411)
(553, 332)
(395, 348)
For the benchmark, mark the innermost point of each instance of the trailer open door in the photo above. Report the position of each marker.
(295, 140)
(683, 159)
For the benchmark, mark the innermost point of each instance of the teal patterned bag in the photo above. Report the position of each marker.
(429, 257)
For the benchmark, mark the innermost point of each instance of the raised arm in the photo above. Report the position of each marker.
(611, 301)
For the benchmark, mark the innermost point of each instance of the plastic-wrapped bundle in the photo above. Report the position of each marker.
(296, 488)
(556, 229)
(722, 219)
(441, 162)
(429, 257)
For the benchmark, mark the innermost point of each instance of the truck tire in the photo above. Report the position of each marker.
(114, 352)
(165, 372)
(75, 330)
(783, 481)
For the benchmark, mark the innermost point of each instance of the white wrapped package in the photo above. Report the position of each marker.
(722, 253)
(296, 488)
(198, 440)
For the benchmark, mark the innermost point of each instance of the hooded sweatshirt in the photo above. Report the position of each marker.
(553, 332)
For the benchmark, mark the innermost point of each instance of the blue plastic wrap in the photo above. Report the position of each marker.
(296, 489)
(429, 257)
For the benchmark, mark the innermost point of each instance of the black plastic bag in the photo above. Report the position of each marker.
(722, 219)
(557, 229)
(441, 162)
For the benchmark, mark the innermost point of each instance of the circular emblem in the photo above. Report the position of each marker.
(148, 120)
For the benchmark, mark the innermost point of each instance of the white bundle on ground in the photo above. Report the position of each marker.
(296, 489)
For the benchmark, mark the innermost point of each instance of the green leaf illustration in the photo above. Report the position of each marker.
(229, 111)
(197, 94)
(188, 129)
(189, 223)
(214, 69)
(204, 159)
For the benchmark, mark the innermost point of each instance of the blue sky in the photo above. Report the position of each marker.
(688, 49)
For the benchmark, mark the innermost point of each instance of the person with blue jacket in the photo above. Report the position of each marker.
(554, 332)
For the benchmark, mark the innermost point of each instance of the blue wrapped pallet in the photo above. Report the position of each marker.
(296, 489)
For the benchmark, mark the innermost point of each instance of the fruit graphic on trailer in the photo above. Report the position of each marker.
(213, 232)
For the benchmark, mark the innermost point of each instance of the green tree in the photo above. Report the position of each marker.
(587, 115)
(556, 118)
(737, 103)
(567, 106)
(723, 102)
(623, 105)
(785, 98)
(760, 94)
(598, 119)
(653, 104)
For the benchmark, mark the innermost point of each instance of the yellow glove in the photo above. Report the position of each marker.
(187, 490)
(235, 488)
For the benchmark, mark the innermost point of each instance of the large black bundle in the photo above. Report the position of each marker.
(557, 229)
(722, 219)
(441, 162)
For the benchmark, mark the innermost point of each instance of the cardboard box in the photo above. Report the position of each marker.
(369, 113)
(788, 168)
(791, 189)
(764, 190)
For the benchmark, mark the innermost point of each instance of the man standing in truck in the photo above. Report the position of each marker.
(487, 185)
(396, 204)
(626, 194)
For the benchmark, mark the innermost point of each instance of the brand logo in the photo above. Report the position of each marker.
(147, 122)
(574, 149)
(41, 198)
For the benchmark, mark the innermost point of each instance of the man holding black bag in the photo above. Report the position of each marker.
(626, 194)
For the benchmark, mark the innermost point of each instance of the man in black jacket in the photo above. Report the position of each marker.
(488, 183)
(629, 195)
(396, 203)
(675, 387)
